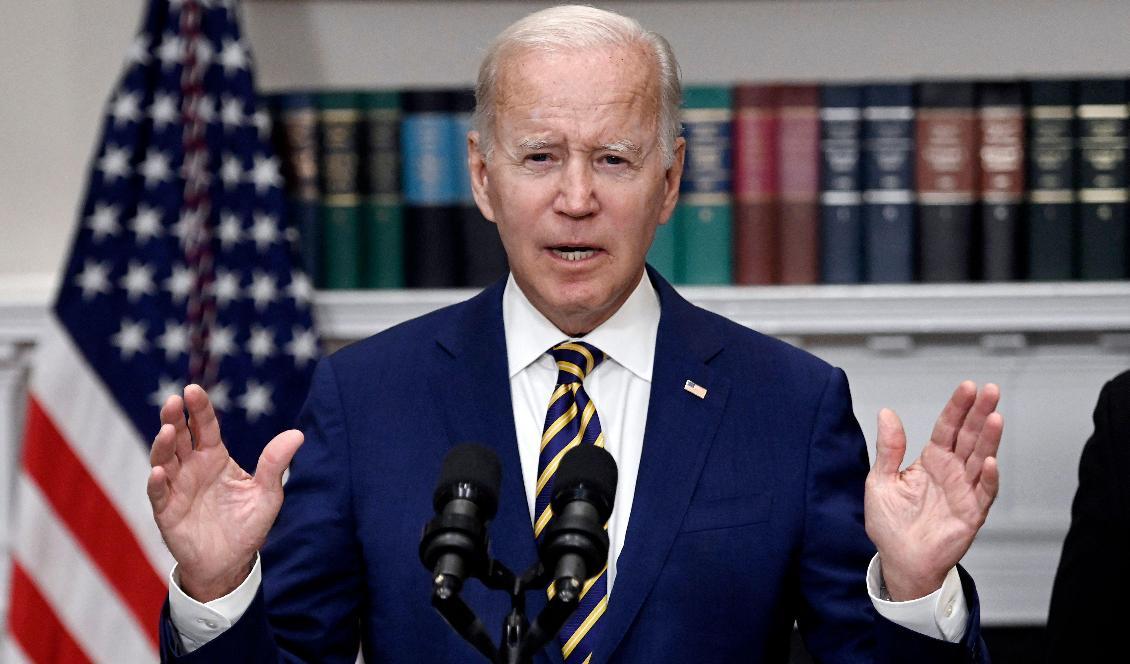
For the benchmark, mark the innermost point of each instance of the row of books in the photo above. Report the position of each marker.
(936, 181)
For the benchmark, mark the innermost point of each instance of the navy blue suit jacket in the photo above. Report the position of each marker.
(748, 512)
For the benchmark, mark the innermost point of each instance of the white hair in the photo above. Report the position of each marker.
(569, 28)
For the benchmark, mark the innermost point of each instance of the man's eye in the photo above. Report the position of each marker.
(539, 157)
(614, 160)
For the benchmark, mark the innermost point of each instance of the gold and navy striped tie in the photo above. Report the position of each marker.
(570, 421)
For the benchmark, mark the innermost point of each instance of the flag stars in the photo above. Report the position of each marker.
(220, 396)
(174, 340)
(261, 344)
(166, 387)
(264, 231)
(114, 163)
(138, 51)
(300, 289)
(231, 112)
(104, 221)
(125, 108)
(164, 110)
(226, 287)
(231, 171)
(94, 279)
(138, 281)
(171, 51)
(256, 400)
(180, 283)
(262, 290)
(146, 225)
(130, 339)
(265, 174)
(155, 169)
(221, 342)
(262, 122)
(303, 346)
(229, 231)
(186, 227)
(233, 56)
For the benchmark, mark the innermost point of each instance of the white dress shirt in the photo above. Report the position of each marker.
(620, 388)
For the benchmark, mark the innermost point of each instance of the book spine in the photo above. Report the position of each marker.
(756, 228)
(382, 214)
(946, 179)
(339, 118)
(1102, 179)
(888, 183)
(798, 163)
(484, 260)
(663, 254)
(707, 215)
(296, 139)
(1050, 199)
(841, 195)
(432, 209)
(1001, 114)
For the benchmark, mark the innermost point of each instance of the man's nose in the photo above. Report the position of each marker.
(576, 195)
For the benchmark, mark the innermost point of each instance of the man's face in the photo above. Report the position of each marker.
(576, 182)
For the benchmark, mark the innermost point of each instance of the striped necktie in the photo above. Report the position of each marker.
(570, 421)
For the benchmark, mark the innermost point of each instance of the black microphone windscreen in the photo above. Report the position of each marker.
(589, 464)
(474, 464)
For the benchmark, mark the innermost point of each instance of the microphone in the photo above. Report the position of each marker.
(575, 544)
(454, 543)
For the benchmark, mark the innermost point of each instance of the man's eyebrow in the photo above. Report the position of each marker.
(622, 145)
(531, 143)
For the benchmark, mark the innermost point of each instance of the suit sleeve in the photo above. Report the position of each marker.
(835, 614)
(1086, 617)
(307, 609)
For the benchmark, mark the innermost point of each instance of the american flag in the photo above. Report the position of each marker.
(182, 270)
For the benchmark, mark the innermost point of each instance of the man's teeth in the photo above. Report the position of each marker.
(574, 254)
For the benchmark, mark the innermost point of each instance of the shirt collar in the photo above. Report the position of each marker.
(628, 337)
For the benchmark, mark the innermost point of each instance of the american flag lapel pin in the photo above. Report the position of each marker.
(695, 389)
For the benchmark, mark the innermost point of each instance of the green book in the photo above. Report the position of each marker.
(339, 121)
(663, 253)
(704, 223)
(382, 218)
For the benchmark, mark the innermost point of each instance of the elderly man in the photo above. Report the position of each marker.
(741, 505)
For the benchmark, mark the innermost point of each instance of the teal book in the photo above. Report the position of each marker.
(704, 223)
(663, 254)
(382, 215)
(339, 116)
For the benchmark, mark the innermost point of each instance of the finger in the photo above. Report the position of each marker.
(172, 413)
(987, 444)
(989, 484)
(890, 443)
(987, 399)
(276, 457)
(157, 487)
(953, 414)
(201, 417)
(163, 452)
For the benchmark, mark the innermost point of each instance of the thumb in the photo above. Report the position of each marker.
(276, 457)
(890, 443)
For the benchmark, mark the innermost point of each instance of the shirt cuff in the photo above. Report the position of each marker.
(943, 614)
(198, 623)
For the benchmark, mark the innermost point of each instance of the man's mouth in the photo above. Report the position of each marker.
(574, 253)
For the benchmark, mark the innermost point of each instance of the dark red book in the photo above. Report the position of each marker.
(798, 168)
(756, 259)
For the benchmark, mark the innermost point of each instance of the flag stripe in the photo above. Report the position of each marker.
(13, 653)
(84, 602)
(91, 517)
(35, 626)
(99, 433)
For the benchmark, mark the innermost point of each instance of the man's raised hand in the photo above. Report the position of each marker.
(213, 516)
(923, 519)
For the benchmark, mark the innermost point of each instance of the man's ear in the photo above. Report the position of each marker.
(673, 177)
(477, 165)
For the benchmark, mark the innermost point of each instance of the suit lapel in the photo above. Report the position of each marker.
(680, 429)
(471, 383)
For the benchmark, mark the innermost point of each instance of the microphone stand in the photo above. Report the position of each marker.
(520, 640)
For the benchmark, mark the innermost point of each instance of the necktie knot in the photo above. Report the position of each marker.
(575, 360)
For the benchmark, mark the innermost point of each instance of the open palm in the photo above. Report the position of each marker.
(213, 515)
(923, 519)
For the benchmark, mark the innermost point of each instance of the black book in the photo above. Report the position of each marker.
(1102, 179)
(1001, 111)
(484, 260)
(1050, 176)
